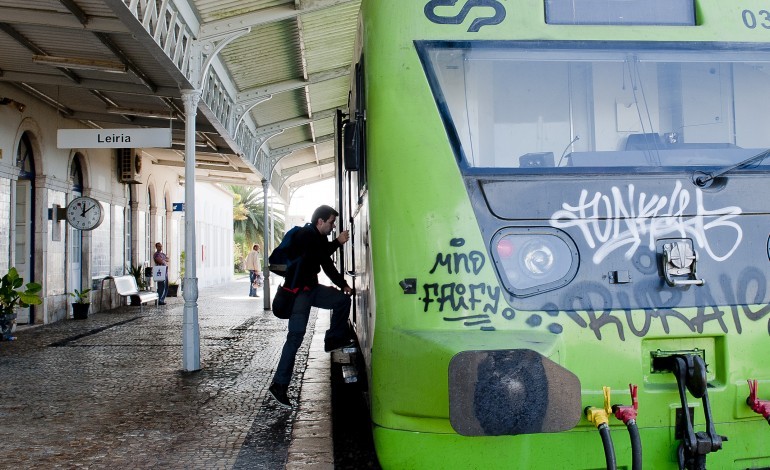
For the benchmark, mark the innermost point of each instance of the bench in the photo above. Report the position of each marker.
(126, 287)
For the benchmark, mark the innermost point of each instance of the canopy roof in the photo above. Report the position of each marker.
(272, 76)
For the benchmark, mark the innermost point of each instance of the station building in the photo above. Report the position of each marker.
(250, 92)
(137, 196)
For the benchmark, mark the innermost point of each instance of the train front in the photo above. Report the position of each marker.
(577, 232)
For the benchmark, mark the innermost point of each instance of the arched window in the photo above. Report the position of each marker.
(24, 160)
(149, 244)
(24, 222)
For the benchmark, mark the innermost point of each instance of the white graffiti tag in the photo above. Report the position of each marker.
(611, 222)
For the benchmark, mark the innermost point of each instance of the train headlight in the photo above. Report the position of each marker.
(532, 260)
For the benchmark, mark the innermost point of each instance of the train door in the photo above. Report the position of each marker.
(354, 197)
(24, 223)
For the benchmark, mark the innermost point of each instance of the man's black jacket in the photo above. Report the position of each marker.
(316, 251)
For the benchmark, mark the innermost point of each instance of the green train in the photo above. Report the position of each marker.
(560, 239)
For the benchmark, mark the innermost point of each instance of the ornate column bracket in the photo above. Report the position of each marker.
(242, 108)
(204, 51)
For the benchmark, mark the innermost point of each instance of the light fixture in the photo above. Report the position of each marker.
(141, 112)
(83, 64)
(182, 143)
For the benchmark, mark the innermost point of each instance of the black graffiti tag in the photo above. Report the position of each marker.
(499, 16)
(476, 301)
(590, 305)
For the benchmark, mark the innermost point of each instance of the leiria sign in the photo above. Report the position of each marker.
(113, 138)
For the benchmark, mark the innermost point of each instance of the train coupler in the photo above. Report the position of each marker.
(758, 406)
(690, 373)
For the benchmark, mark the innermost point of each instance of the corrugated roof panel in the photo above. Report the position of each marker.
(281, 107)
(266, 55)
(324, 127)
(37, 5)
(65, 42)
(211, 10)
(290, 136)
(330, 94)
(330, 36)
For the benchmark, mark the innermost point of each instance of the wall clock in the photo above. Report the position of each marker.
(84, 213)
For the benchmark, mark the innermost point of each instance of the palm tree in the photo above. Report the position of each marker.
(249, 218)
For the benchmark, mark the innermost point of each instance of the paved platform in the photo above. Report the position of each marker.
(110, 392)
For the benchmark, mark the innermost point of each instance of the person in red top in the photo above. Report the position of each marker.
(161, 259)
(315, 250)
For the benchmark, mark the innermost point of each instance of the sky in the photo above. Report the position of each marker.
(308, 197)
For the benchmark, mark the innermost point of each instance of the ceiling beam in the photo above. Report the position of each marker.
(75, 10)
(279, 152)
(62, 20)
(32, 47)
(295, 122)
(118, 52)
(176, 124)
(291, 171)
(88, 84)
(263, 17)
(289, 85)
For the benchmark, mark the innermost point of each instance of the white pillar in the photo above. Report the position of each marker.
(266, 242)
(191, 343)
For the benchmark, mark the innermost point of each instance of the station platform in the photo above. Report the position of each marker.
(110, 392)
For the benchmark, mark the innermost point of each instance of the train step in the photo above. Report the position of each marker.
(344, 355)
(349, 374)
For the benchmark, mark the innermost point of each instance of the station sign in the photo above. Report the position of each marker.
(113, 138)
(177, 206)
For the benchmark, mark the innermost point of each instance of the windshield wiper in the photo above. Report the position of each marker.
(703, 179)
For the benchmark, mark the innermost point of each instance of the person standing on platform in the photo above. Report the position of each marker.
(253, 265)
(161, 259)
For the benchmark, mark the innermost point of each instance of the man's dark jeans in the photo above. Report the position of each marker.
(322, 297)
(252, 278)
(162, 287)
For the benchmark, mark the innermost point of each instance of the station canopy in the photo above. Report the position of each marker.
(272, 75)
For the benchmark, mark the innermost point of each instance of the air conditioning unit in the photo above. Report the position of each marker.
(129, 166)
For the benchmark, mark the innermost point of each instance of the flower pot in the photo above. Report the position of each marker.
(173, 290)
(7, 326)
(80, 311)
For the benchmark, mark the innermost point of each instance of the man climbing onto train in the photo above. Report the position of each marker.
(314, 249)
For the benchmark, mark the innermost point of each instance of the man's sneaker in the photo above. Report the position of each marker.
(338, 343)
(278, 392)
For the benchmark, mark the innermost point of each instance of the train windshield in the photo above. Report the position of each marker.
(621, 107)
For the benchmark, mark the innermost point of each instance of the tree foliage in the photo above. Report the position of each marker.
(249, 218)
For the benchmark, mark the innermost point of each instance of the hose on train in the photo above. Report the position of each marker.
(758, 406)
(628, 414)
(599, 417)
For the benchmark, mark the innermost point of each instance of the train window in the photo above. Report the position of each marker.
(583, 106)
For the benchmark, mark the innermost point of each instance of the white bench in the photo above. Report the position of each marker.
(126, 286)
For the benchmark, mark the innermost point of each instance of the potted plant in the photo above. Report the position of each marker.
(173, 289)
(138, 273)
(11, 298)
(81, 304)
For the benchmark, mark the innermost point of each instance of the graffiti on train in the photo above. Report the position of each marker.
(610, 222)
(475, 302)
(590, 305)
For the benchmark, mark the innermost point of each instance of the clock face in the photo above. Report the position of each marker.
(84, 213)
